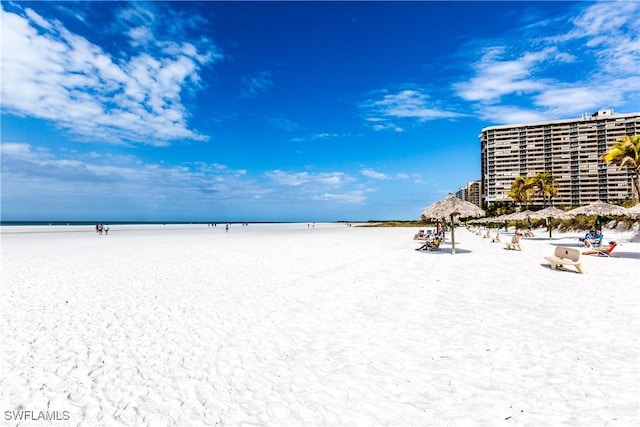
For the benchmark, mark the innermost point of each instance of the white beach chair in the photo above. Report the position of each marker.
(514, 244)
(565, 256)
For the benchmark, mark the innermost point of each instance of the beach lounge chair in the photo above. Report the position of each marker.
(496, 239)
(601, 251)
(514, 244)
(565, 256)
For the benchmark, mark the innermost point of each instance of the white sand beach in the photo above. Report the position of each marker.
(285, 325)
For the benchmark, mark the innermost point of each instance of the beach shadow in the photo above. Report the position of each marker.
(561, 269)
(579, 245)
(447, 251)
(619, 254)
(543, 238)
(458, 251)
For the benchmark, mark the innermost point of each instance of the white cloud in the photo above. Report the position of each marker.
(16, 150)
(370, 173)
(350, 197)
(50, 73)
(504, 114)
(560, 100)
(496, 77)
(379, 176)
(592, 65)
(296, 179)
(385, 109)
(37, 182)
(323, 136)
(82, 185)
(611, 30)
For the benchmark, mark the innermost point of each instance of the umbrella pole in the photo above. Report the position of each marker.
(453, 239)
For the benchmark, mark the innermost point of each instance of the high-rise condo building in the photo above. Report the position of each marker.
(569, 150)
(471, 193)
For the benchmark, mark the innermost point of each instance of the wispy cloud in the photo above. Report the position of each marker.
(323, 136)
(66, 180)
(283, 123)
(387, 110)
(255, 85)
(296, 179)
(355, 197)
(591, 64)
(496, 77)
(370, 173)
(380, 176)
(50, 73)
(337, 187)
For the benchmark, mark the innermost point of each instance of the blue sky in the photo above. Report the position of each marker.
(286, 111)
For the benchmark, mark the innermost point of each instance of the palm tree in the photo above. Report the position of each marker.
(625, 153)
(545, 185)
(520, 191)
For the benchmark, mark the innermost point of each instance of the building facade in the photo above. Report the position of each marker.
(474, 192)
(569, 150)
(462, 193)
(471, 193)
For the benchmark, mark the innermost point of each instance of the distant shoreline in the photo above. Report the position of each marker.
(85, 223)
(72, 223)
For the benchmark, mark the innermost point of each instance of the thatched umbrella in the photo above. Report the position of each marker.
(549, 213)
(519, 216)
(451, 207)
(634, 212)
(600, 209)
(504, 218)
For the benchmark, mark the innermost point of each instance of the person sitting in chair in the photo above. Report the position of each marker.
(436, 244)
(426, 246)
(430, 245)
(595, 240)
(601, 251)
(588, 236)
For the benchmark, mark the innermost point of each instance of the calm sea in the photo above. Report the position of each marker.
(31, 223)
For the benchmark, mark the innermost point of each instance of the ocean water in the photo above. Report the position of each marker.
(39, 223)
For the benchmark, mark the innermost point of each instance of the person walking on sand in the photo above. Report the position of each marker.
(226, 227)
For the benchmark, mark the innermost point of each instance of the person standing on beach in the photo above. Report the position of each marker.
(226, 228)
